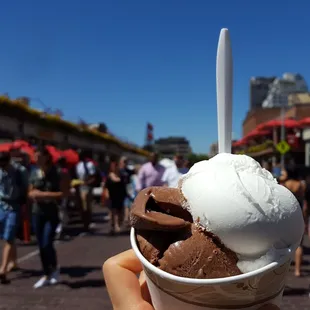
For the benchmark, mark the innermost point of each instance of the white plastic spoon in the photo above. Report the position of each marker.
(224, 81)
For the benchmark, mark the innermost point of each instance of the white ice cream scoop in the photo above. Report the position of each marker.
(233, 197)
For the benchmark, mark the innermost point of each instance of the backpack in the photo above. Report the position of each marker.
(98, 178)
(23, 188)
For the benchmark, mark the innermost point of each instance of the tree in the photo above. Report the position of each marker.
(194, 158)
(148, 147)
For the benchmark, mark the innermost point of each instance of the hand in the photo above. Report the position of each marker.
(125, 289)
(34, 194)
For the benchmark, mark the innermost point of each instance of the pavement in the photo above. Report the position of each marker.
(296, 294)
(82, 286)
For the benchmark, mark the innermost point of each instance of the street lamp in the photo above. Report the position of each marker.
(282, 131)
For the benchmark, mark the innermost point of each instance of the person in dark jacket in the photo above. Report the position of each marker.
(115, 192)
(13, 185)
(46, 192)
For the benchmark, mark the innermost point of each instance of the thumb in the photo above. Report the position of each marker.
(120, 273)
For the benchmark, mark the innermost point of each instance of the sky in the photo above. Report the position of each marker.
(127, 63)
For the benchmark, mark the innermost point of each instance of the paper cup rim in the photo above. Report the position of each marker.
(216, 281)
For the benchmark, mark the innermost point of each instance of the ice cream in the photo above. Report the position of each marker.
(227, 205)
(169, 239)
(244, 206)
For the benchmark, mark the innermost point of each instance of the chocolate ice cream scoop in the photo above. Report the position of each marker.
(200, 256)
(168, 238)
(153, 244)
(160, 208)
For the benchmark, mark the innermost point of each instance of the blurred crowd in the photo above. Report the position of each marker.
(42, 191)
(297, 180)
(124, 181)
(38, 191)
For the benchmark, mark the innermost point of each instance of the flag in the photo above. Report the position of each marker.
(149, 126)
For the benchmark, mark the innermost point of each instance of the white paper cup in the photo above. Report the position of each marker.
(251, 291)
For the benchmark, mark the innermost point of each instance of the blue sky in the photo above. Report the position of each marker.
(129, 62)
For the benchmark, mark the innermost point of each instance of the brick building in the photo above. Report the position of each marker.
(258, 116)
(263, 147)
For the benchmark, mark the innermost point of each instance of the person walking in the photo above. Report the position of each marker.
(22, 159)
(298, 188)
(150, 174)
(115, 192)
(13, 185)
(47, 189)
(63, 214)
(86, 173)
(131, 193)
(174, 172)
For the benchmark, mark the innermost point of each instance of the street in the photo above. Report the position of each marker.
(82, 285)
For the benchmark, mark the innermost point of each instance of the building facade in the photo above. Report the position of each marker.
(259, 88)
(18, 121)
(259, 116)
(170, 146)
(214, 149)
(281, 88)
(300, 98)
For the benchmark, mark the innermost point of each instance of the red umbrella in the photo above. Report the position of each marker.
(5, 147)
(305, 122)
(19, 144)
(239, 142)
(256, 133)
(30, 152)
(71, 156)
(261, 126)
(55, 153)
(288, 123)
(271, 124)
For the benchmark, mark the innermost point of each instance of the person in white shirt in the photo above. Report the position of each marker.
(85, 171)
(172, 173)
